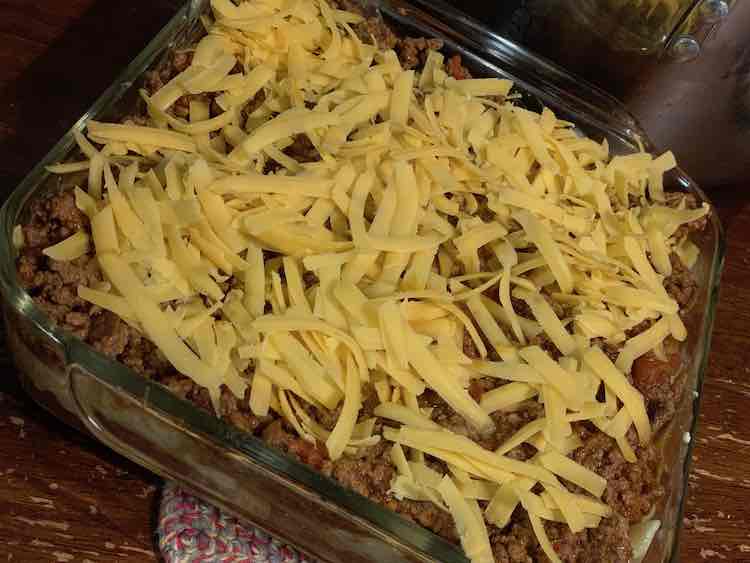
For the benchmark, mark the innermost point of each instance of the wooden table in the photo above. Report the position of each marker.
(63, 497)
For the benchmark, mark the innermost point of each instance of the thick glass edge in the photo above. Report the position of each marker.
(153, 395)
(709, 316)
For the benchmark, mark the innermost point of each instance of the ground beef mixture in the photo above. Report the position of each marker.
(676, 199)
(52, 284)
(544, 342)
(412, 52)
(681, 284)
(660, 380)
(372, 29)
(277, 435)
(177, 62)
(470, 347)
(608, 542)
(302, 149)
(632, 488)
(456, 69)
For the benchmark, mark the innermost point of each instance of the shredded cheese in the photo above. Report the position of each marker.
(507, 397)
(469, 522)
(342, 432)
(573, 472)
(75, 246)
(614, 379)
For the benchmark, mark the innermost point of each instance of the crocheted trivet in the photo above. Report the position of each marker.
(192, 531)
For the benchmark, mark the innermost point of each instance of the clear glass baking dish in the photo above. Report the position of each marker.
(145, 422)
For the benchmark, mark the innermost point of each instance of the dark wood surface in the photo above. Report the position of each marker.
(63, 497)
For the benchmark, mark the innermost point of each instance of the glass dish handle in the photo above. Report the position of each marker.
(126, 422)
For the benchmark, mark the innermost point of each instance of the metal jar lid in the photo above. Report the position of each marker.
(698, 27)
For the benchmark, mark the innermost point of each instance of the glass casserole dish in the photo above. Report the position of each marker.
(146, 423)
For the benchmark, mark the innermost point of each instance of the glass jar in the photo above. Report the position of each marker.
(615, 44)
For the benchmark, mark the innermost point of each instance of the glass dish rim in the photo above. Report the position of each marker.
(154, 395)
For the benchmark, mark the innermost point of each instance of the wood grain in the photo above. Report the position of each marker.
(717, 512)
(63, 497)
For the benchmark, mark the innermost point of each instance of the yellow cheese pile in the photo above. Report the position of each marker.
(429, 193)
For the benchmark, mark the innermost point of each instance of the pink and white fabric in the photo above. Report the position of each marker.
(192, 531)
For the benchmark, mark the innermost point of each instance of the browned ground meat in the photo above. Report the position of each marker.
(109, 334)
(469, 347)
(487, 262)
(238, 411)
(632, 488)
(327, 419)
(155, 80)
(412, 52)
(521, 308)
(52, 218)
(660, 382)
(479, 387)
(310, 279)
(456, 69)
(611, 350)
(610, 542)
(516, 543)
(643, 326)
(371, 476)
(54, 285)
(143, 357)
(372, 29)
(181, 60)
(675, 199)
(446, 416)
(302, 149)
(544, 342)
(257, 101)
(185, 388)
(277, 436)
(425, 514)
(681, 285)
(175, 64)
(506, 423)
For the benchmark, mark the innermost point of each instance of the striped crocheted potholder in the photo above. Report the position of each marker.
(193, 531)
